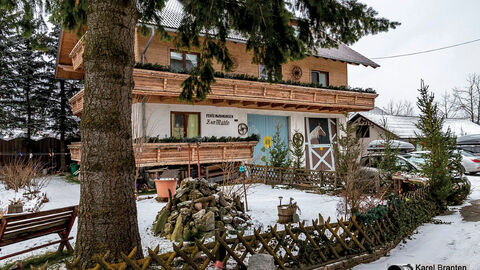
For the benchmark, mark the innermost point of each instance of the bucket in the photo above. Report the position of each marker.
(163, 185)
(286, 213)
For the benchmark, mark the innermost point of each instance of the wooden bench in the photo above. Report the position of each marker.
(21, 227)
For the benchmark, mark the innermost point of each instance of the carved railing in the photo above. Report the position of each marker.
(159, 154)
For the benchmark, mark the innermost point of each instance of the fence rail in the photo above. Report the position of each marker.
(339, 245)
(292, 176)
(48, 150)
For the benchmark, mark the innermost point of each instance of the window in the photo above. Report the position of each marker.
(263, 72)
(185, 124)
(402, 165)
(363, 131)
(320, 78)
(181, 61)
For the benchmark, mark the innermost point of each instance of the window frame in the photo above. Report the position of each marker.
(185, 121)
(327, 75)
(361, 134)
(260, 72)
(184, 58)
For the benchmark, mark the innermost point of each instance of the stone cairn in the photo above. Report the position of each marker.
(197, 209)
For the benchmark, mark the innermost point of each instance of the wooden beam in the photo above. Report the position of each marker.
(263, 104)
(286, 106)
(231, 102)
(217, 101)
(247, 103)
(300, 106)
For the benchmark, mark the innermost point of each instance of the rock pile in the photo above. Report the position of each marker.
(197, 209)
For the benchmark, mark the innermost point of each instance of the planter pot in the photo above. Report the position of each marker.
(15, 208)
(163, 185)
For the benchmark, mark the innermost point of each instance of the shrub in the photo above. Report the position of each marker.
(27, 175)
(461, 189)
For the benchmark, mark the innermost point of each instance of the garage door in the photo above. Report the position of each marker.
(265, 125)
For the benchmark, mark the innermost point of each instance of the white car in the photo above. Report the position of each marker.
(470, 162)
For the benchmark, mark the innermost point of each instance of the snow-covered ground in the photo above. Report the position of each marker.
(262, 203)
(457, 242)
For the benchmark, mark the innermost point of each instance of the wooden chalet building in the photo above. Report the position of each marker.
(236, 107)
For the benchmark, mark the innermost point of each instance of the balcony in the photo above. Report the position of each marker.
(161, 154)
(164, 87)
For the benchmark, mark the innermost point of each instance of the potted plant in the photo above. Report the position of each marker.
(167, 181)
(15, 206)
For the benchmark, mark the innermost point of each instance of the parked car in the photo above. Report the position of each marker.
(370, 164)
(470, 162)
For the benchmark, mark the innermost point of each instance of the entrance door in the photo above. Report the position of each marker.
(265, 125)
(321, 133)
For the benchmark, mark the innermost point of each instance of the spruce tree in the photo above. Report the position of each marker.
(29, 81)
(7, 78)
(441, 157)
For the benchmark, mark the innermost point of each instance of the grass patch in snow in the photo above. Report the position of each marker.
(39, 260)
(147, 192)
(71, 179)
(438, 221)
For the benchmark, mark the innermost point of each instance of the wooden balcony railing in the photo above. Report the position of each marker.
(77, 54)
(159, 154)
(164, 87)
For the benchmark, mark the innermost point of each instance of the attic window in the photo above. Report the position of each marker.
(363, 131)
(320, 78)
(182, 61)
(263, 72)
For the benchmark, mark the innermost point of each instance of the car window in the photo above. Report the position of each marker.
(364, 161)
(402, 165)
(467, 154)
(370, 161)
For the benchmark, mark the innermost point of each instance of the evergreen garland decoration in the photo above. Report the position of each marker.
(251, 138)
(246, 77)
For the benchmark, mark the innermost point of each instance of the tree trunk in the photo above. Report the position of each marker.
(107, 213)
(61, 125)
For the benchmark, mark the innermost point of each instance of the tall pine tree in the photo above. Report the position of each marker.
(8, 45)
(28, 82)
(441, 159)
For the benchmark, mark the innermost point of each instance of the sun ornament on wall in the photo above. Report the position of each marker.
(242, 129)
(296, 73)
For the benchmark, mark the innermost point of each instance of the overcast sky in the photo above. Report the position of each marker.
(426, 24)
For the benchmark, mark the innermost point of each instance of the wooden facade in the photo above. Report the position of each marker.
(163, 87)
(160, 154)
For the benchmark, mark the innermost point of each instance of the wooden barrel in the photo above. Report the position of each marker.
(286, 213)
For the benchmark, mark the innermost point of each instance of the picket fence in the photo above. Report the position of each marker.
(321, 245)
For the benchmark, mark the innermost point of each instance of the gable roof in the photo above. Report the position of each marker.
(172, 15)
(404, 127)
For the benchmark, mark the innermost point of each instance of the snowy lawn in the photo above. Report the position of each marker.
(262, 203)
(454, 243)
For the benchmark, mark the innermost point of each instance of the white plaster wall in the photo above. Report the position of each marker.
(158, 118)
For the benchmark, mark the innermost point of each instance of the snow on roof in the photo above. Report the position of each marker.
(405, 126)
(172, 15)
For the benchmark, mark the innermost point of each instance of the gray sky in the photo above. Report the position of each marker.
(426, 24)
